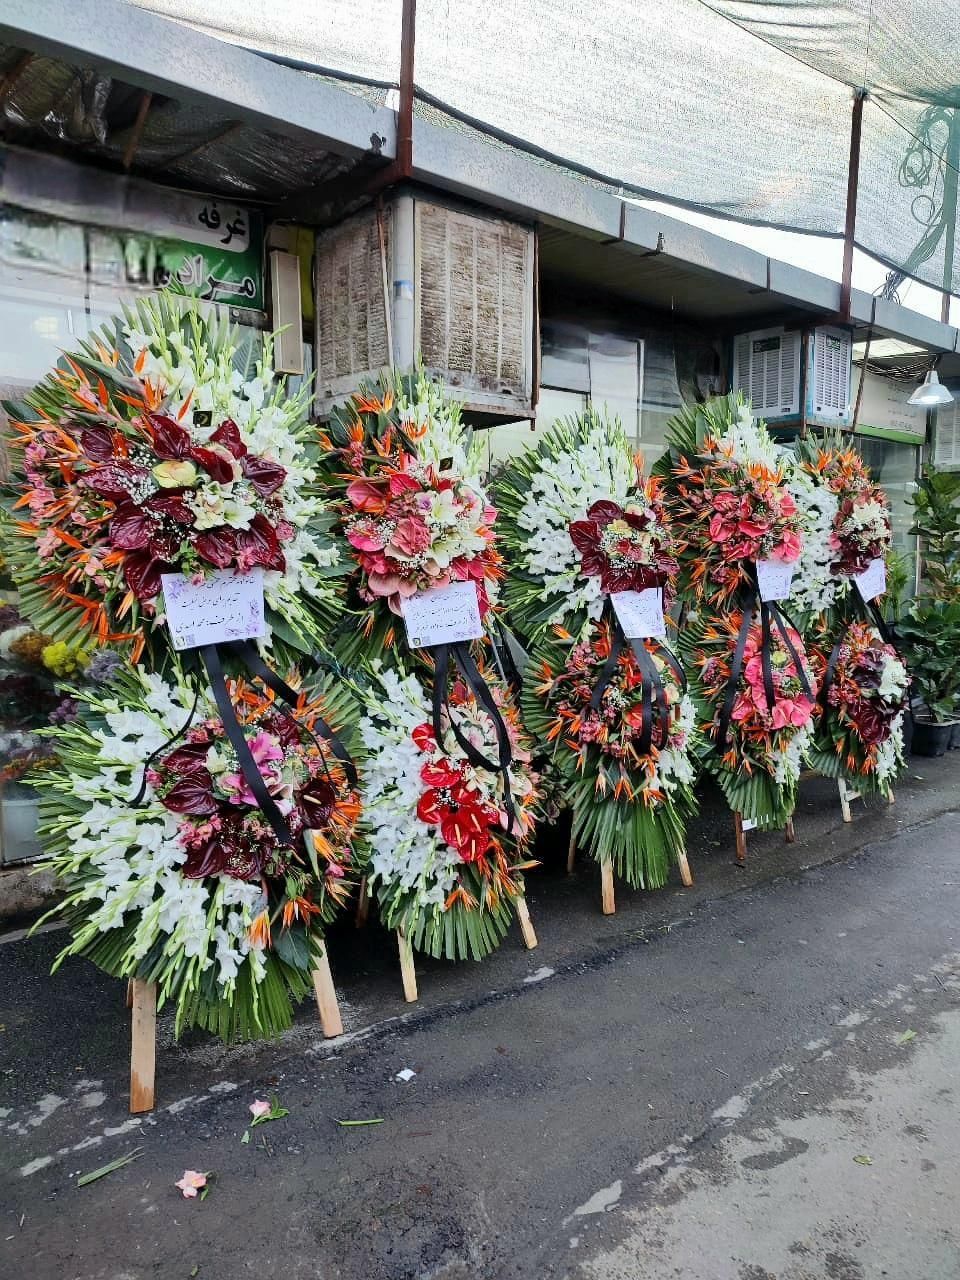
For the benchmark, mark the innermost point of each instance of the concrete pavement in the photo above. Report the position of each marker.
(680, 1090)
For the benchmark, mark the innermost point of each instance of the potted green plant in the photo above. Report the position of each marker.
(930, 639)
(936, 504)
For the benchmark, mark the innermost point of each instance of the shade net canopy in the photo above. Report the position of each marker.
(740, 108)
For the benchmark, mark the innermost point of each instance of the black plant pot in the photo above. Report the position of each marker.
(908, 722)
(930, 738)
(955, 737)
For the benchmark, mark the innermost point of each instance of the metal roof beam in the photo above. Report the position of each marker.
(165, 57)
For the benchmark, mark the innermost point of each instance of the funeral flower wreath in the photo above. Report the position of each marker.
(448, 792)
(611, 716)
(151, 450)
(171, 872)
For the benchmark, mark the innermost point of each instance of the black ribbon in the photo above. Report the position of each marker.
(771, 615)
(653, 698)
(510, 658)
(247, 652)
(137, 800)
(463, 661)
(211, 656)
(873, 615)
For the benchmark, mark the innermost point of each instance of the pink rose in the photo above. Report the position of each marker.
(411, 536)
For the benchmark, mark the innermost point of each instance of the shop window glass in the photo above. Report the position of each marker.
(894, 466)
(508, 438)
(627, 369)
(616, 366)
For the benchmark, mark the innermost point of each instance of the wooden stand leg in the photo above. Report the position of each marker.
(326, 995)
(363, 904)
(407, 972)
(571, 854)
(789, 833)
(526, 924)
(129, 993)
(686, 877)
(741, 840)
(143, 1045)
(891, 798)
(844, 801)
(608, 901)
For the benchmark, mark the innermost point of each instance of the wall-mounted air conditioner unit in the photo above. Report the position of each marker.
(451, 288)
(795, 376)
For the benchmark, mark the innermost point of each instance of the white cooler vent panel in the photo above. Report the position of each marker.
(475, 290)
(461, 300)
(351, 321)
(766, 368)
(830, 360)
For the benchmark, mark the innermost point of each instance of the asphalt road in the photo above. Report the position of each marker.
(754, 1079)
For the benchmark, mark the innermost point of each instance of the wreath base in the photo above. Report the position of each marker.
(830, 765)
(758, 798)
(457, 932)
(641, 842)
(257, 1011)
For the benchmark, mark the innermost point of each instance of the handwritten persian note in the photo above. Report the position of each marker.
(640, 613)
(224, 606)
(774, 579)
(873, 581)
(442, 615)
(749, 824)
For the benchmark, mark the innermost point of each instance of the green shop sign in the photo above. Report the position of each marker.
(223, 264)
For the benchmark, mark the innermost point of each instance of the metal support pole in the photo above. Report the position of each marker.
(951, 159)
(850, 224)
(408, 37)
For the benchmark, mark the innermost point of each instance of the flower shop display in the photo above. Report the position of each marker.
(627, 760)
(446, 833)
(149, 452)
(559, 571)
(176, 873)
(741, 538)
(449, 811)
(609, 711)
(36, 676)
(858, 735)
